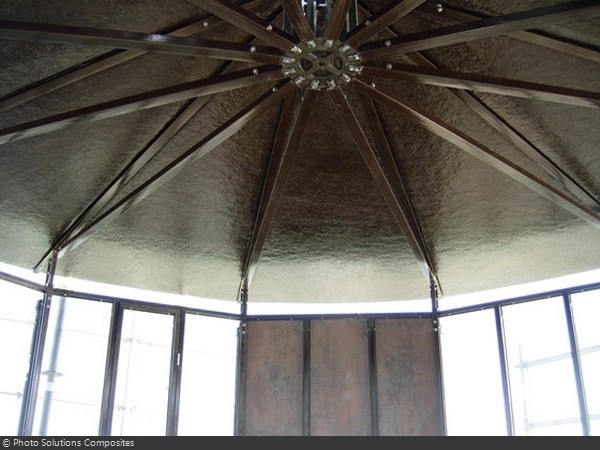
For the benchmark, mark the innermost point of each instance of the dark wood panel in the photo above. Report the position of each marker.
(273, 388)
(340, 399)
(407, 378)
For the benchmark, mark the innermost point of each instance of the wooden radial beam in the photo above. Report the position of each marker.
(153, 42)
(199, 150)
(139, 161)
(151, 99)
(103, 62)
(276, 161)
(247, 21)
(298, 19)
(337, 19)
(517, 139)
(380, 21)
(395, 181)
(533, 37)
(505, 128)
(475, 148)
(401, 215)
(284, 150)
(479, 29)
(481, 83)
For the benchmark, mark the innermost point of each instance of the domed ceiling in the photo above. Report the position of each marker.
(307, 151)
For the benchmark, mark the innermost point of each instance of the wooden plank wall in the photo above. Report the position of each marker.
(404, 368)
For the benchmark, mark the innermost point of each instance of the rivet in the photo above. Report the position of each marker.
(388, 43)
(373, 84)
(367, 22)
(388, 66)
(255, 71)
(274, 89)
(269, 27)
(439, 7)
(328, 43)
(204, 24)
(253, 49)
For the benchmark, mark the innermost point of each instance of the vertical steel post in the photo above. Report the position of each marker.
(576, 354)
(52, 368)
(508, 410)
(372, 350)
(240, 395)
(110, 373)
(37, 352)
(306, 379)
(433, 292)
(176, 373)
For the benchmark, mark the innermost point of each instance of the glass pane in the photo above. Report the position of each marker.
(208, 377)
(542, 377)
(17, 317)
(586, 310)
(472, 377)
(72, 380)
(142, 390)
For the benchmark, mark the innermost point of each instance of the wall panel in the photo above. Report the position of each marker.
(340, 397)
(274, 374)
(409, 401)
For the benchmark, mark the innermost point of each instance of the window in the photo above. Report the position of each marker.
(73, 366)
(208, 379)
(586, 311)
(143, 374)
(18, 307)
(472, 375)
(541, 371)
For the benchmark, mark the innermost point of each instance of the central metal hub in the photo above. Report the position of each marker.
(321, 64)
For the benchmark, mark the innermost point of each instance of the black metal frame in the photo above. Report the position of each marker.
(179, 313)
(343, 22)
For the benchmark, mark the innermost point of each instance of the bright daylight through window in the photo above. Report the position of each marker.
(510, 364)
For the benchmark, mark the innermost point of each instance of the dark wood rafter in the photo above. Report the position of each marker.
(140, 160)
(378, 173)
(264, 222)
(104, 62)
(475, 148)
(196, 152)
(96, 206)
(380, 21)
(151, 99)
(276, 160)
(388, 161)
(482, 83)
(152, 42)
(518, 140)
(536, 37)
(479, 29)
(509, 132)
(298, 19)
(337, 19)
(247, 21)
